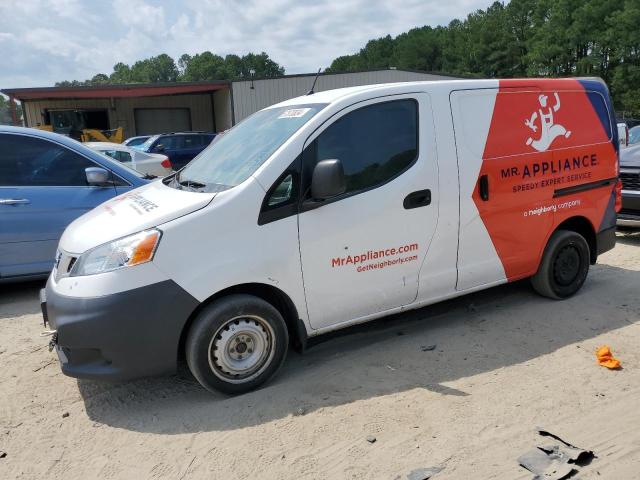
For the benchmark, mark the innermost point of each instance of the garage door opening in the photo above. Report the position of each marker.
(150, 121)
(72, 122)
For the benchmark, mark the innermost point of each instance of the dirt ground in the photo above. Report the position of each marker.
(505, 362)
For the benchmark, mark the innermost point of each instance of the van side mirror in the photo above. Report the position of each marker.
(328, 180)
(158, 148)
(97, 176)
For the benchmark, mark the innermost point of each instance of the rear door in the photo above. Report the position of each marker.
(532, 153)
(43, 188)
(362, 251)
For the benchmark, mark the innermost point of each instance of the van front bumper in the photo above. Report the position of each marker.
(629, 216)
(135, 333)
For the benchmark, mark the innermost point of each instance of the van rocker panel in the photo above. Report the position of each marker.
(124, 335)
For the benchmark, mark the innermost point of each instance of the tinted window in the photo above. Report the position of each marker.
(32, 161)
(118, 155)
(123, 156)
(206, 139)
(191, 141)
(136, 141)
(172, 142)
(282, 193)
(374, 143)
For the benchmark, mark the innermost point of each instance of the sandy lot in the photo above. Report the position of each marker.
(505, 362)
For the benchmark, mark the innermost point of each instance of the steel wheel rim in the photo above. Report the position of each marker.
(566, 267)
(241, 349)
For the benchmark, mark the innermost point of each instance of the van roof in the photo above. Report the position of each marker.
(329, 96)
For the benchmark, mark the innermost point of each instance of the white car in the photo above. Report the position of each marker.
(623, 134)
(150, 163)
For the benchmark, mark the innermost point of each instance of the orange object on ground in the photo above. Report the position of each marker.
(605, 358)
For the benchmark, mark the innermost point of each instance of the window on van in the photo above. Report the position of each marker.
(242, 150)
(374, 143)
(282, 193)
(29, 161)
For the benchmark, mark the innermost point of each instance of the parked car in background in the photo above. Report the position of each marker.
(629, 216)
(180, 147)
(153, 164)
(47, 180)
(623, 134)
(634, 135)
(133, 141)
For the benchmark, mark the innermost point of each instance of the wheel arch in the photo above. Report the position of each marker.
(273, 295)
(584, 227)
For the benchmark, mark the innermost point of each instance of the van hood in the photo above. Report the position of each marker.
(131, 212)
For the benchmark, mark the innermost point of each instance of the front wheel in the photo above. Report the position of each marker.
(564, 265)
(236, 344)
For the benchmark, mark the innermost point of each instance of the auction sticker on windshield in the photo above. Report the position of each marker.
(294, 113)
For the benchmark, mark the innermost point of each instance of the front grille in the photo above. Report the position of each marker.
(628, 211)
(630, 181)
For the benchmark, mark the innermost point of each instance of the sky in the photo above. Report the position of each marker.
(45, 41)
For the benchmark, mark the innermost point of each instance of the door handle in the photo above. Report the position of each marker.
(484, 187)
(13, 201)
(421, 198)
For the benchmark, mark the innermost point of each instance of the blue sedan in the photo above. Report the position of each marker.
(47, 181)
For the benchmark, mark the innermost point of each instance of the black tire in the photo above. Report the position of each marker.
(236, 321)
(564, 266)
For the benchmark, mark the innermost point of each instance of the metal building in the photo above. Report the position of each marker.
(156, 108)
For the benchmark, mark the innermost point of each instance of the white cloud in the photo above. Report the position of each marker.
(52, 40)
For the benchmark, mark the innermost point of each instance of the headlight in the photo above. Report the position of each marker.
(124, 252)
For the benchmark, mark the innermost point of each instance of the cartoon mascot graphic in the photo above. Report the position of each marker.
(549, 131)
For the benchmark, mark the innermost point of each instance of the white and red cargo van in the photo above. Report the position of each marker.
(332, 209)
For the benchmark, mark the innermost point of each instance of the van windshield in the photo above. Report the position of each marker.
(238, 153)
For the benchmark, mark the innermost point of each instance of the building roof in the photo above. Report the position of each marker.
(329, 74)
(115, 91)
(157, 89)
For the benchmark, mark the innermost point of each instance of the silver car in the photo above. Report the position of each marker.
(629, 216)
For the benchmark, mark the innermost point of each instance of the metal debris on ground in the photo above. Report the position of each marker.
(371, 439)
(553, 461)
(3, 454)
(423, 473)
(427, 348)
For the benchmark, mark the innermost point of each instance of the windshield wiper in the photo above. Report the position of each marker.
(192, 184)
(148, 176)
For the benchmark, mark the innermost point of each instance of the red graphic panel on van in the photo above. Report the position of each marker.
(549, 156)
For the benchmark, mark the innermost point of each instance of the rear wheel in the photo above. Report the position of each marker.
(564, 265)
(236, 344)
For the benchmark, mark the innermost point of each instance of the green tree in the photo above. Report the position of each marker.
(523, 38)
(419, 49)
(204, 66)
(121, 74)
(5, 111)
